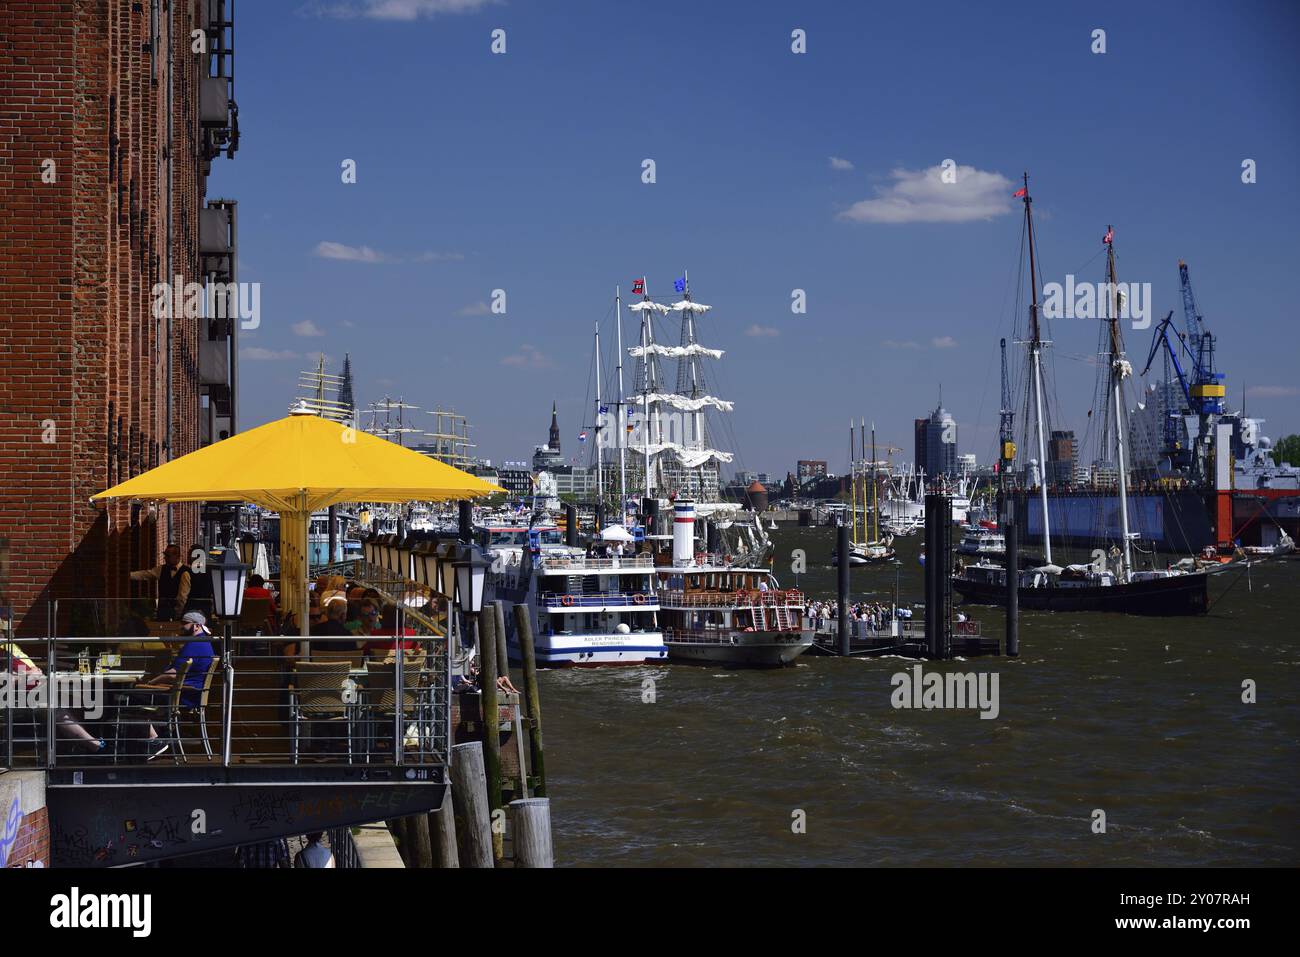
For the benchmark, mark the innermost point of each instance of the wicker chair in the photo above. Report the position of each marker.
(381, 695)
(179, 710)
(316, 694)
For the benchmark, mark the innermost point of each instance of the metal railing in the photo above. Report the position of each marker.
(645, 600)
(88, 702)
(588, 563)
(344, 847)
(725, 636)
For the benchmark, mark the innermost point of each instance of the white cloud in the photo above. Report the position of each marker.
(390, 9)
(921, 196)
(528, 357)
(479, 308)
(258, 354)
(359, 254)
(840, 164)
(307, 328)
(1272, 391)
(365, 254)
(762, 332)
(944, 342)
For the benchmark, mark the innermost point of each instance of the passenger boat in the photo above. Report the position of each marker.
(717, 613)
(585, 610)
(982, 542)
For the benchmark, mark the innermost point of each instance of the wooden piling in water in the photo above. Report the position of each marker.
(1012, 531)
(417, 832)
(469, 801)
(527, 651)
(531, 820)
(491, 717)
(442, 833)
(503, 653)
(842, 558)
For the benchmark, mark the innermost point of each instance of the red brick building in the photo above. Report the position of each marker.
(94, 210)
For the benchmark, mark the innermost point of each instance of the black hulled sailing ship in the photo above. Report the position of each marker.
(1098, 586)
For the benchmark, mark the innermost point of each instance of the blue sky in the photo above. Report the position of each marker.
(522, 172)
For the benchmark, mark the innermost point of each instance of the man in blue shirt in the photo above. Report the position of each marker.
(198, 649)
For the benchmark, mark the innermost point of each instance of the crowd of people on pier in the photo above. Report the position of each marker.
(875, 615)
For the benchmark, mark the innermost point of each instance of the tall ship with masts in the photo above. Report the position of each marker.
(1111, 582)
(656, 438)
(869, 547)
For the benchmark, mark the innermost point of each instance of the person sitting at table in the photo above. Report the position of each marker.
(173, 580)
(363, 618)
(28, 676)
(330, 586)
(198, 649)
(257, 589)
(385, 638)
(335, 624)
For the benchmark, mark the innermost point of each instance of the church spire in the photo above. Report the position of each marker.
(554, 441)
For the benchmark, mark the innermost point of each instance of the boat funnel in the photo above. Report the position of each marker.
(683, 532)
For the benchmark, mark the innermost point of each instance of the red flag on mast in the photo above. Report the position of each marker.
(1018, 193)
(1110, 235)
(638, 287)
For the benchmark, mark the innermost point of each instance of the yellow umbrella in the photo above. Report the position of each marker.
(297, 465)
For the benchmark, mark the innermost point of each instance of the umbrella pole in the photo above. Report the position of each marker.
(303, 575)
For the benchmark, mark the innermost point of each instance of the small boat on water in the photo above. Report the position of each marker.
(982, 542)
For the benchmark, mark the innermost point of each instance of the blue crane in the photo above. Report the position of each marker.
(1206, 391)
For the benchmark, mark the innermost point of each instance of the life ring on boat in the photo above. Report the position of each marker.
(567, 600)
(639, 598)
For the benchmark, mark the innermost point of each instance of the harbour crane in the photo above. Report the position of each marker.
(1202, 388)
(1207, 390)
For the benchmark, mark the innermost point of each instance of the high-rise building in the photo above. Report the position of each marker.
(1062, 457)
(111, 127)
(936, 443)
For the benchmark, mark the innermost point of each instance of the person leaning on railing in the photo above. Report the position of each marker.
(173, 580)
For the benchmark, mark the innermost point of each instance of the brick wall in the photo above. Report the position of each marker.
(82, 358)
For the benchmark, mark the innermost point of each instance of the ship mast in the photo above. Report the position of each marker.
(1119, 370)
(1035, 354)
(875, 521)
(853, 480)
(620, 418)
(600, 473)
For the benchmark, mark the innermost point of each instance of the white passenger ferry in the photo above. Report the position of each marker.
(585, 610)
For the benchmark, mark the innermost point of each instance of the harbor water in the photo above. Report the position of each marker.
(1140, 718)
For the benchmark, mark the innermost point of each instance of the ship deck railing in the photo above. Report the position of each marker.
(563, 600)
(787, 597)
(591, 564)
(718, 636)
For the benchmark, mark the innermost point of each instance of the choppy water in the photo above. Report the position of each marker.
(1141, 718)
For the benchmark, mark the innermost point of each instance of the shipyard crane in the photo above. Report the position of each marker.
(1202, 387)
(1206, 391)
(1165, 335)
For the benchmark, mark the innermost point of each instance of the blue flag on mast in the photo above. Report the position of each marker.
(680, 284)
